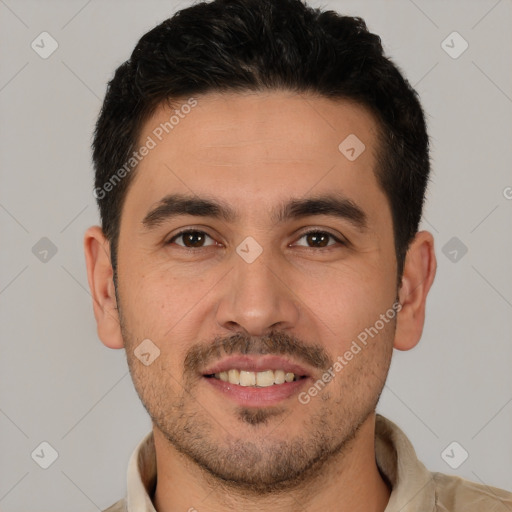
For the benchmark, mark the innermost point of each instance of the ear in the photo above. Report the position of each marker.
(418, 276)
(100, 276)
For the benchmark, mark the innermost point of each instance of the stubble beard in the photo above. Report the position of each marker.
(256, 464)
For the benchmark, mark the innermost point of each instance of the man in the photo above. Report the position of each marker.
(260, 172)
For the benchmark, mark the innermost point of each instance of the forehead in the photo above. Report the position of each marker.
(253, 148)
(237, 128)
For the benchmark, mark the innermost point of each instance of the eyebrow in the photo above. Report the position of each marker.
(335, 205)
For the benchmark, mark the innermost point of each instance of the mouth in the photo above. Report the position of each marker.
(262, 379)
(256, 381)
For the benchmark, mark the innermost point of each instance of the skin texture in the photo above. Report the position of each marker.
(303, 298)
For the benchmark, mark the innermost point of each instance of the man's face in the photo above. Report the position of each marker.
(254, 291)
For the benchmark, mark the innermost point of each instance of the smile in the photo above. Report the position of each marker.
(261, 379)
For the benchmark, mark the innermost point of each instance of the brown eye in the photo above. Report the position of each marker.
(319, 239)
(191, 239)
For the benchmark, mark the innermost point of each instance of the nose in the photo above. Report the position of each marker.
(257, 298)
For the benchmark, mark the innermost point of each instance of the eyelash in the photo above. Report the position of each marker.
(313, 231)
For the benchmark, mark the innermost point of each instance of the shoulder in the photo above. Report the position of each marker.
(119, 506)
(456, 494)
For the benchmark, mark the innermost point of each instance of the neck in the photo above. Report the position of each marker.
(349, 481)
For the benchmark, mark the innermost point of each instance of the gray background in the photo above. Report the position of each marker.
(59, 384)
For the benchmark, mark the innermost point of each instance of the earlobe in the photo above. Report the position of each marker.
(101, 284)
(418, 276)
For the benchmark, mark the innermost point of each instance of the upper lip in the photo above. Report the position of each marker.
(256, 363)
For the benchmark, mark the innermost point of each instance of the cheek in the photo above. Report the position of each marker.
(166, 309)
(347, 303)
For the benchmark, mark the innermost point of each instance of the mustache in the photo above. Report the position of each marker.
(275, 343)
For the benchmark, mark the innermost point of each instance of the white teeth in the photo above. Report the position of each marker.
(259, 379)
(279, 376)
(247, 378)
(264, 379)
(234, 376)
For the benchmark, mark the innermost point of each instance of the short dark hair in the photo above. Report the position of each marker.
(262, 45)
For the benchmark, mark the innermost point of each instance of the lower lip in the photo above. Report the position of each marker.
(257, 397)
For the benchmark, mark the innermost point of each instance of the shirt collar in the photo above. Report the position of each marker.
(412, 485)
(141, 477)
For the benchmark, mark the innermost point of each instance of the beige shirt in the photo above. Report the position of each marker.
(414, 488)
